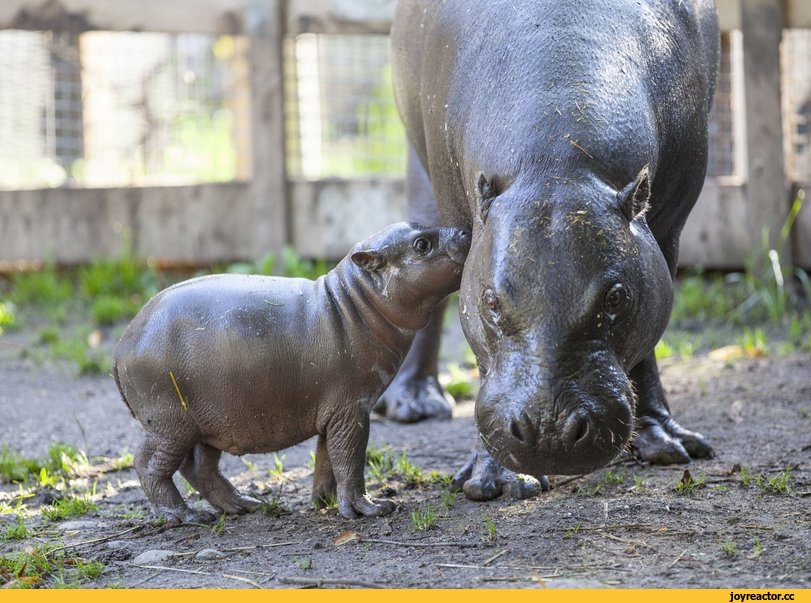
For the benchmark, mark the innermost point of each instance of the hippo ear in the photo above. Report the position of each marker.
(368, 259)
(634, 198)
(484, 196)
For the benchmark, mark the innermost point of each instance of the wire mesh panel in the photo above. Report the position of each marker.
(796, 94)
(725, 110)
(118, 109)
(341, 120)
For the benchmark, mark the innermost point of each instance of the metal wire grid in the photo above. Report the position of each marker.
(342, 120)
(796, 98)
(115, 109)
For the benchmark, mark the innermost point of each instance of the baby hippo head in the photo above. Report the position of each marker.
(413, 267)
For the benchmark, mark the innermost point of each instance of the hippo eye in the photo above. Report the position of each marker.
(615, 300)
(422, 245)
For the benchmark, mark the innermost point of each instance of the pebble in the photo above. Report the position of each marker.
(79, 525)
(209, 555)
(153, 556)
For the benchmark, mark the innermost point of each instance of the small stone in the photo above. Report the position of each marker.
(153, 556)
(209, 555)
(118, 544)
(79, 525)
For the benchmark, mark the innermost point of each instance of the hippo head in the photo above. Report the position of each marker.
(411, 268)
(563, 293)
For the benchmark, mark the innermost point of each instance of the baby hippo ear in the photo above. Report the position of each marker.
(634, 198)
(368, 259)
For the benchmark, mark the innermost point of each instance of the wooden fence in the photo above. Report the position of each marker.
(217, 222)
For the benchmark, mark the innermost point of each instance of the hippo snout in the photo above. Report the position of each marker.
(574, 441)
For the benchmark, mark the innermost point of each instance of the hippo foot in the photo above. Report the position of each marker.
(665, 442)
(366, 506)
(411, 400)
(483, 478)
(175, 516)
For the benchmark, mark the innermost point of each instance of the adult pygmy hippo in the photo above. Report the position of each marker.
(571, 137)
(248, 364)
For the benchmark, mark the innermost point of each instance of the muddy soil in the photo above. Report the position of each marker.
(623, 526)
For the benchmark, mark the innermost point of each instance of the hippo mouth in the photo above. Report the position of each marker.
(575, 444)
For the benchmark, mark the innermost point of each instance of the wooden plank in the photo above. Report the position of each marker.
(268, 182)
(332, 215)
(190, 224)
(729, 14)
(766, 188)
(715, 236)
(340, 16)
(201, 16)
(798, 13)
(802, 230)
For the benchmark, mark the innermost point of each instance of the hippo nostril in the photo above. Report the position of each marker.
(522, 429)
(576, 429)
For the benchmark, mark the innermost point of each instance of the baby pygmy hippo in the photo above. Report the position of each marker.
(249, 364)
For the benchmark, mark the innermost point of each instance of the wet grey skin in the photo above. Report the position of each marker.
(570, 137)
(251, 364)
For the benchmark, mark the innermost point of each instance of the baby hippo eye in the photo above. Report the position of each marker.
(422, 245)
(615, 300)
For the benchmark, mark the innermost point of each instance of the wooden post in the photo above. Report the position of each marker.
(268, 186)
(762, 24)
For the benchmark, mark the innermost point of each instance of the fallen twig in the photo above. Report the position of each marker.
(241, 579)
(319, 582)
(419, 544)
(96, 540)
(489, 560)
(631, 542)
(174, 569)
(677, 559)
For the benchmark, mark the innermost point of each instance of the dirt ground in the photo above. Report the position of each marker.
(623, 526)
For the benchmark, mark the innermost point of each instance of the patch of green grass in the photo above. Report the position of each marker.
(573, 531)
(489, 534)
(277, 472)
(757, 548)
(311, 461)
(46, 565)
(72, 506)
(7, 316)
(41, 288)
(778, 484)
(440, 479)
(305, 562)
(610, 478)
(108, 310)
(459, 382)
(273, 508)
(49, 335)
(133, 514)
(18, 531)
(688, 485)
(663, 350)
(14, 468)
(639, 484)
(408, 471)
(219, 526)
(380, 463)
(62, 463)
(423, 518)
(448, 499)
(125, 461)
(754, 342)
(729, 549)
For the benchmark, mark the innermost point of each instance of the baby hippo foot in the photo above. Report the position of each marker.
(483, 478)
(410, 400)
(662, 441)
(200, 468)
(350, 507)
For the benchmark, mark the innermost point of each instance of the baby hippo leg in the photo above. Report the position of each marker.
(325, 488)
(347, 437)
(201, 468)
(156, 461)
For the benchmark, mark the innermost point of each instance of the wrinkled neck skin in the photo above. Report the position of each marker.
(363, 297)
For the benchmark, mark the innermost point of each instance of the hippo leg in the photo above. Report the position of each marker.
(201, 469)
(415, 394)
(660, 439)
(347, 438)
(156, 462)
(483, 478)
(325, 488)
